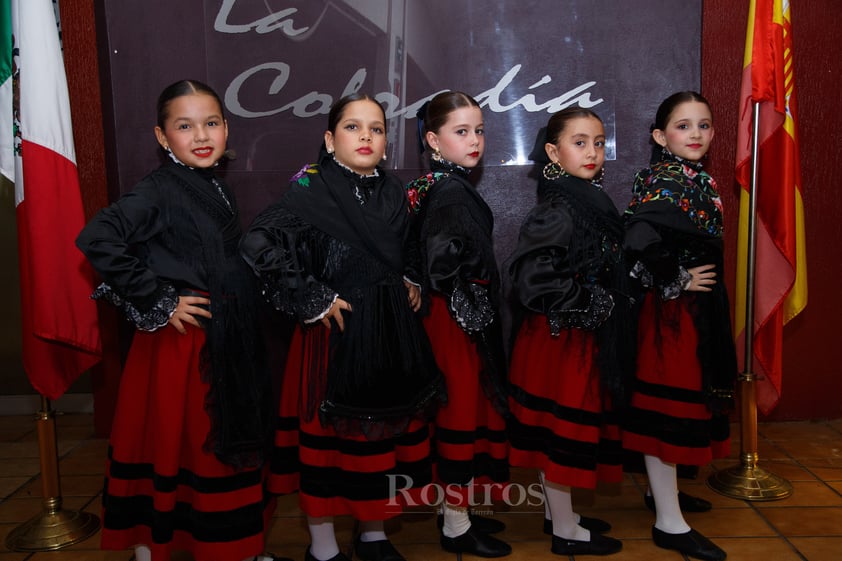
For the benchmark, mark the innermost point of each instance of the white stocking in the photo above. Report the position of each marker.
(142, 553)
(565, 521)
(456, 521)
(372, 531)
(664, 484)
(322, 537)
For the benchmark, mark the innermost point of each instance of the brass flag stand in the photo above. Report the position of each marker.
(747, 480)
(54, 528)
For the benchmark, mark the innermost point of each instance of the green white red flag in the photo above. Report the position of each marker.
(60, 326)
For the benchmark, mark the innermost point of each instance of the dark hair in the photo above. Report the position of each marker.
(180, 88)
(664, 113)
(338, 108)
(443, 104)
(662, 116)
(558, 121)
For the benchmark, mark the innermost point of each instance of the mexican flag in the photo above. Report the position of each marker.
(60, 327)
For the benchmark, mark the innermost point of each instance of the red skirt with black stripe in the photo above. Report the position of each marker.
(162, 489)
(669, 417)
(342, 474)
(561, 420)
(469, 433)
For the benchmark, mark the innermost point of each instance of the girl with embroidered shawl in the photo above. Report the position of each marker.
(686, 362)
(570, 353)
(461, 288)
(192, 422)
(360, 381)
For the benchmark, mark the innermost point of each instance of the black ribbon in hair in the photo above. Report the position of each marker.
(539, 153)
(420, 114)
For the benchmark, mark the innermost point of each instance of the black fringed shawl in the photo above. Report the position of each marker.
(449, 212)
(232, 360)
(336, 233)
(578, 227)
(177, 231)
(675, 220)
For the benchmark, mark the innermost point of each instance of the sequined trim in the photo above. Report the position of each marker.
(155, 318)
(471, 308)
(669, 291)
(599, 309)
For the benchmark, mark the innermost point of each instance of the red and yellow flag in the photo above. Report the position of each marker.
(780, 265)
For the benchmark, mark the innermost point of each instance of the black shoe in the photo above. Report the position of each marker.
(598, 545)
(690, 543)
(475, 543)
(687, 503)
(338, 557)
(590, 524)
(481, 523)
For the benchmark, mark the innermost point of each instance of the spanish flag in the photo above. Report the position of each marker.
(780, 264)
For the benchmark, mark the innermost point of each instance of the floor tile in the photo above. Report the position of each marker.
(805, 521)
(819, 549)
(805, 526)
(806, 493)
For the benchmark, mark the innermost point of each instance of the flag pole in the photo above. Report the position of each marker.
(54, 528)
(748, 481)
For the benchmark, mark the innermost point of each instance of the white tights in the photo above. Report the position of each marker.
(664, 484)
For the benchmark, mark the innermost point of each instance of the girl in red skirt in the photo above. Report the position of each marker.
(571, 348)
(360, 381)
(185, 458)
(686, 362)
(453, 226)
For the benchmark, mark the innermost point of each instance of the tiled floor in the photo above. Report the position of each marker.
(807, 525)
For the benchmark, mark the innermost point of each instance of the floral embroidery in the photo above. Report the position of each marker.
(417, 189)
(302, 176)
(690, 189)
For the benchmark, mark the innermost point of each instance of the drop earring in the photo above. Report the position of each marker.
(552, 170)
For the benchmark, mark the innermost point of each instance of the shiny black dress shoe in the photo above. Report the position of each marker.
(380, 550)
(691, 543)
(597, 545)
(476, 543)
(481, 523)
(687, 503)
(591, 524)
(338, 557)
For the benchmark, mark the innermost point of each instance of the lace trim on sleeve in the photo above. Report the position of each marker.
(154, 318)
(324, 313)
(470, 307)
(669, 291)
(309, 305)
(599, 308)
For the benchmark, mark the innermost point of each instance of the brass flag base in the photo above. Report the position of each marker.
(52, 530)
(751, 483)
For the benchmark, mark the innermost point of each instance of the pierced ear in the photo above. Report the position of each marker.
(659, 137)
(432, 140)
(552, 151)
(162, 138)
(329, 142)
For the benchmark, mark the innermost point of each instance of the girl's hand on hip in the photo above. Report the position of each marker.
(335, 313)
(185, 311)
(702, 278)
